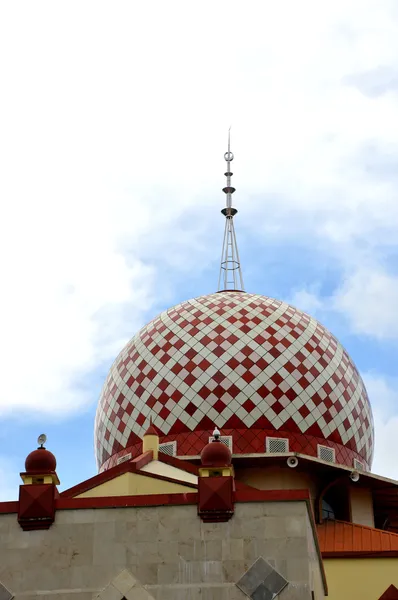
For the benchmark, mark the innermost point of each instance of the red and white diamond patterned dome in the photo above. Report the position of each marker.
(253, 366)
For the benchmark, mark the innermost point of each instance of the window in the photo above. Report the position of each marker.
(336, 503)
(215, 473)
(224, 439)
(358, 465)
(327, 511)
(325, 453)
(275, 445)
(169, 448)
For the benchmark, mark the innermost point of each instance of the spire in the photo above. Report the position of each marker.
(230, 272)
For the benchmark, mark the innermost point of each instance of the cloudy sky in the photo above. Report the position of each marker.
(113, 126)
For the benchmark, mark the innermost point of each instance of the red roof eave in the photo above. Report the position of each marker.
(339, 539)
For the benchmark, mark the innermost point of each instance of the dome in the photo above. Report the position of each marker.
(40, 461)
(216, 454)
(255, 367)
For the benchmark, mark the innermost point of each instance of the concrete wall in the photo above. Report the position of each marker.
(275, 478)
(170, 551)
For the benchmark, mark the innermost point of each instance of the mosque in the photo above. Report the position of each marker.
(234, 441)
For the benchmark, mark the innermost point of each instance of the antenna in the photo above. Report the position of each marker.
(230, 277)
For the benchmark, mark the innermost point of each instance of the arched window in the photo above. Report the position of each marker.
(337, 502)
(327, 511)
(333, 501)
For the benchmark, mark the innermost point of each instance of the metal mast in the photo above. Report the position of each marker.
(230, 272)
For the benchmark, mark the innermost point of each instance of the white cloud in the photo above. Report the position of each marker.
(57, 276)
(385, 461)
(113, 127)
(383, 391)
(307, 300)
(369, 299)
(384, 394)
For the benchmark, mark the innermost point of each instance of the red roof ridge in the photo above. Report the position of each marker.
(178, 463)
(243, 487)
(132, 465)
(358, 525)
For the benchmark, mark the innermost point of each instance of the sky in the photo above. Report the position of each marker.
(113, 126)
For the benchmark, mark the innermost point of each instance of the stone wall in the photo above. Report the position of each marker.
(168, 553)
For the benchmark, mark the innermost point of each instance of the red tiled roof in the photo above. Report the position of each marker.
(151, 431)
(338, 538)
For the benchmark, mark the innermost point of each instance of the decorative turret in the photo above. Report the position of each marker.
(38, 493)
(216, 482)
(150, 441)
(216, 458)
(40, 466)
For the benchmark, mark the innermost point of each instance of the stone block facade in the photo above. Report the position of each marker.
(160, 553)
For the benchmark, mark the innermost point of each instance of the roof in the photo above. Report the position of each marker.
(151, 430)
(137, 465)
(339, 538)
(318, 466)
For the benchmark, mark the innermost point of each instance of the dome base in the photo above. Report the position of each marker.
(247, 441)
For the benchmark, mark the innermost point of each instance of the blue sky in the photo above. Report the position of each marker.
(113, 128)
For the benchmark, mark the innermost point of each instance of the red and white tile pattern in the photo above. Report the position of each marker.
(249, 364)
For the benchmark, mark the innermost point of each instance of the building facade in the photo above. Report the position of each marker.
(234, 441)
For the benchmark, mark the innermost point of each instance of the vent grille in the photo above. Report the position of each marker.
(169, 448)
(325, 453)
(358, 465)
(275, 445)
(224, 439)
(123, 459)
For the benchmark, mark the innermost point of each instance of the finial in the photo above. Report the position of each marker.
(230, 272)
(151, 429)
(42, 440)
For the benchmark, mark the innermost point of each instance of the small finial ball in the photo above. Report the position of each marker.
(216, 433)
(228, 156)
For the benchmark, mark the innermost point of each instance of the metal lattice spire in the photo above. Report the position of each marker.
(230, 272)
